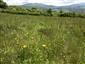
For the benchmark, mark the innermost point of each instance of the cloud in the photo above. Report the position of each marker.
(14, 2)
(49, 2)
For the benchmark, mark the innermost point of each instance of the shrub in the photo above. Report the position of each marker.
(3, 4)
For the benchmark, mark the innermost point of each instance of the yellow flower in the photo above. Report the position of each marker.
(13, 62)
(32, 37)
(24, 46)
(12, 33)
(44, 45)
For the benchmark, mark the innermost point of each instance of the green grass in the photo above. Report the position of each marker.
(28, 39)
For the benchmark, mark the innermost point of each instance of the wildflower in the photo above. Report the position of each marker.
(32, 37)
(15, 38)
(44, 45)
(13, 62)
(12, 33)
(24, 46)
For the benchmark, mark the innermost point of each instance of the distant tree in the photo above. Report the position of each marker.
(33, 9)
(61, 11)
(49, 12)
(3, 4)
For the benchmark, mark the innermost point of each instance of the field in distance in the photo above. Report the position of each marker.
(26, 39)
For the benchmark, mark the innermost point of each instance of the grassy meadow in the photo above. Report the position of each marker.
(26, 39)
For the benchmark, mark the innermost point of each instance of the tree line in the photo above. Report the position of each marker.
(3, 4)
(35, 11)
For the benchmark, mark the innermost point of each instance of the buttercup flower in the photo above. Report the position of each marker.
(44, 45)
(24, 46)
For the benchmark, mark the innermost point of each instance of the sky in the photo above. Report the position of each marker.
(48, 2)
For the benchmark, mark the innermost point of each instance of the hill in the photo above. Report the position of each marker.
(80, 7)
(38, 5)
